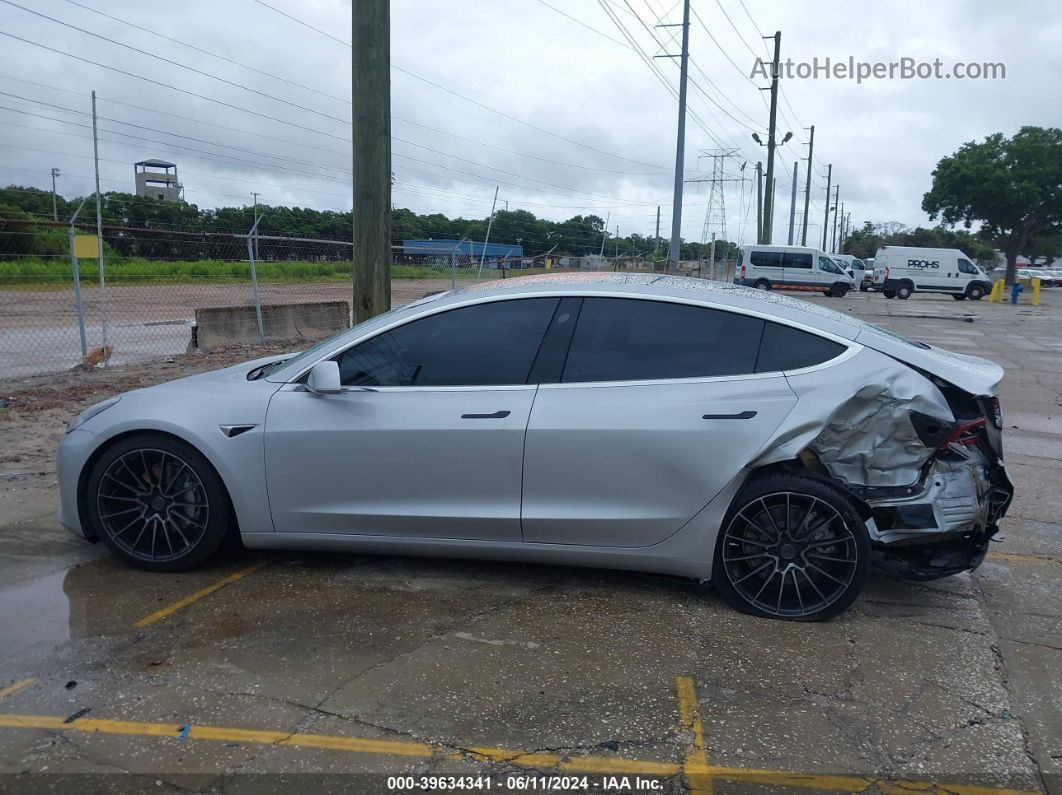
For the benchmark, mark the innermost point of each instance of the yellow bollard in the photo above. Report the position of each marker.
(996, 295)
(1036, 291)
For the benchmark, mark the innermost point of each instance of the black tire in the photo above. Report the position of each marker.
(767, 525)
(157, 503)
(959, 297)
(863, 288)
(888, 293)
(975, 292)
(762, 284)
(904, 290)
(839, 290)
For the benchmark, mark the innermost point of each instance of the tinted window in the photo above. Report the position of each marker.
(966, 266)
(629, 339)
(486, 344)
(787, 348)
(793, 259)
(766, 259)
(859, 265)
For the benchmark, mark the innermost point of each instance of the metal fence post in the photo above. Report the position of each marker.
(76, 273)
(254, 280)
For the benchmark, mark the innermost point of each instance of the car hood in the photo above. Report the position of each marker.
(970, 373)
(235, 375)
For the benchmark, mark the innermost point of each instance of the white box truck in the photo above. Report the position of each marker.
(900, 271)
(791, 268)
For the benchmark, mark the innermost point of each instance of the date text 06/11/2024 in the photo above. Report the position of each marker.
(524, 783)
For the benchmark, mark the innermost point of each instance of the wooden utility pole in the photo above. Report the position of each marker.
(371, 117)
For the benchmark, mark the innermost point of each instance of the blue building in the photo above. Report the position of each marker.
(495, 252)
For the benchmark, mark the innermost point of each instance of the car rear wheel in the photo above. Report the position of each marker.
(888, 293)
(903, 292)
(791, 548)
(863, 288)
(762, 284)
(157, 503)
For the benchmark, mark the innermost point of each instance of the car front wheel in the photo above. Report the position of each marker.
(157, 503)
(976, 292)
(791, 548)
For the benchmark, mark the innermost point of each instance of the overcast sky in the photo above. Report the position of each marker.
(598, 131)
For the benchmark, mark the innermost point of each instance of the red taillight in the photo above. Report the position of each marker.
(886, 273)
(742, 272)
(962, 433)
(997, 412)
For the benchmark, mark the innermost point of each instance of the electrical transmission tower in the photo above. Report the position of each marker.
(715, 213)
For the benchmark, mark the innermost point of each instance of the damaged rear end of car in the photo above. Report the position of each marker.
(916, 445)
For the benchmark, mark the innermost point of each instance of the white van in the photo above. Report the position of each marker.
(859, 270)
(902, 270)
(791, 268)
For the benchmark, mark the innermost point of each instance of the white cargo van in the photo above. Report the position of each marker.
(860, 271)
(902, 270)
(791, 268)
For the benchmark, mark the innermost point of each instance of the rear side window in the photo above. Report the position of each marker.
(480, 345)
(630, 339)
(787, 348)
(795, 259)
(766, 259)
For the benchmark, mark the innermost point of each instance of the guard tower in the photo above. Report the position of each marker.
(157, 179)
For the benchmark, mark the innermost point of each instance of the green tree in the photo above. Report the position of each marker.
(1011, 186)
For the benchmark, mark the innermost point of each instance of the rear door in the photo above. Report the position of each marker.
(658, 407)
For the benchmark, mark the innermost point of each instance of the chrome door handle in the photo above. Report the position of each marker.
(497, 415)
(741, 415)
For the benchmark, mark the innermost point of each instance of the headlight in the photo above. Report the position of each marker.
(91, 412)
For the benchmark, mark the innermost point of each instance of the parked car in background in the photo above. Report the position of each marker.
(792, 268)
(631, 421)
(900, 271)
(862, 274)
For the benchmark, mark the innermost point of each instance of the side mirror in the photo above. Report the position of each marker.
(324, 379)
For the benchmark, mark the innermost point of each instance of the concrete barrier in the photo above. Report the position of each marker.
(223, 326)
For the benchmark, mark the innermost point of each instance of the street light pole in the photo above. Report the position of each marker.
(55, 207)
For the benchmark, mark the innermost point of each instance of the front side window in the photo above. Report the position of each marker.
(492, 344)
(965, 266)
(630, 339)
(828, 265)
(796, 259)
(859, 265)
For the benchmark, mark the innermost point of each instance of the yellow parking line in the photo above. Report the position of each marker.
(158, 615)
(10, 690)
(409, 748)
(696, 765)
(1018, 557)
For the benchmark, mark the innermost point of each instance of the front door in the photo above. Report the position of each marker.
(427, 438)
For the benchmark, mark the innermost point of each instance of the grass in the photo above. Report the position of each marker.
(32, 272)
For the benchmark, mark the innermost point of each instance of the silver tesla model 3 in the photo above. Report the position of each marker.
(771, 446)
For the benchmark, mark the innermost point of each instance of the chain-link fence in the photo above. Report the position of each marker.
(166, 291)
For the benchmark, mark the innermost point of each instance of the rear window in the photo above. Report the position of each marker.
(766, 259)
(787, 348)
(625, 339)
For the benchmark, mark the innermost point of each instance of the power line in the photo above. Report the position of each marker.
(178, 64)
(172, 87)
(208, 52)
(585, 25)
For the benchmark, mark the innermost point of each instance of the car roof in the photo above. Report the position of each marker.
(660, 285)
